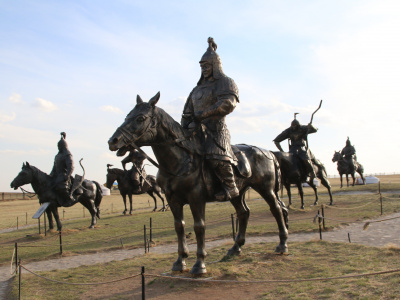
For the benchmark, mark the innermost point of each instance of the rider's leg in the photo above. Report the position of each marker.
(224, 172)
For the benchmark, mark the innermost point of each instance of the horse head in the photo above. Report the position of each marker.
(336, 156)
(111, 177)
(24, 177)
(139, 127)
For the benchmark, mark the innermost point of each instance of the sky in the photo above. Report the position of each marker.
(77, 67)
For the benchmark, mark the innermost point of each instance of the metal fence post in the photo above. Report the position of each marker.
(143, 285)
(61, 250)
(145, 239)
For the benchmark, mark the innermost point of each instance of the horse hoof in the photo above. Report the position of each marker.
(179, 266)
(302, 207)
(234, 251)
(91, 226)
(198, 268)
(281, 249)
(124, 212)
(130, 213)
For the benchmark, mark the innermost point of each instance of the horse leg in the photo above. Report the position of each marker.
(89, 204)
(289, 193)
(314, 187)
(57, 218)
(354, 179)
(361, 174)
(50, 218)
(198, 211)
(162, 199)
(124, 199)
(130, 204)
(347, 179)
(154, 198)
(341, 180)
(183, 251)
(325, 183)
(301, 192)
(243, 214)
(276, 210)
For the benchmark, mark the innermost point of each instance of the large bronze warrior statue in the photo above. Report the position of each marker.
(138, 173)
(298, 143)
(62, 173)
(349, 155)
(214, 97)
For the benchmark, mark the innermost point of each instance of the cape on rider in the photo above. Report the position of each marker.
(297, 135)
(214, 97)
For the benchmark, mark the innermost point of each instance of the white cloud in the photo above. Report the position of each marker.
(112, 109)
(44, 105)
(15, 98)
(7, 118)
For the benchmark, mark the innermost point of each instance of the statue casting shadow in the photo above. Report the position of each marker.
(294, 172)
(187, 180)
(344, 167)
(90, 194)
(126, 187)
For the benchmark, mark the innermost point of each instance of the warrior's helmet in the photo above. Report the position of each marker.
(295, 122)
(212, 57)
(62, 143)
(348, 142)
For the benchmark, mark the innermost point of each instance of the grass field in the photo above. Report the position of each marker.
(115, 230)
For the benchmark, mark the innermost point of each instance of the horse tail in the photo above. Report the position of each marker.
(278, 175)
(99, 194)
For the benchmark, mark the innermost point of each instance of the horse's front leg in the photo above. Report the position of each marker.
(130, 204)
(89, 204)
(198, 211)
(243, 214)
(347, 180)
(301, 192)
(155, 200)
(341, 180)
(183, 251)
(57, 217)
(50, 218)
(354, 179)
(124, 199)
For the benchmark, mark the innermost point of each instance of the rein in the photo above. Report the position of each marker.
(27, 192)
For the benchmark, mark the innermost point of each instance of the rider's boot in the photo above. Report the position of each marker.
(136, 187)
(224, 172)
(310, 168)
(67, 199)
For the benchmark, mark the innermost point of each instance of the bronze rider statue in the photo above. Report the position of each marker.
(214, 97)
(298, 145)
(349, 155)
(138, 174)
(62, 173)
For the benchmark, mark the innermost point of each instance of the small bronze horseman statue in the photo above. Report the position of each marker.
(296, 135)
(138, 173)
(349, 155)
(214, 97)
(62, 173)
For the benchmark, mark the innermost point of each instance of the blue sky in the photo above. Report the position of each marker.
(77, 66)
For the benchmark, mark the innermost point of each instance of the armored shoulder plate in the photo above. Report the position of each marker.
(226, 86)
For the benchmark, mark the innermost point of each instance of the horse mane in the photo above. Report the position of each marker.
(174, 130)
(116, 171)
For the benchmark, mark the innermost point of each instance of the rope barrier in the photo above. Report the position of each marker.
(275, 281)
(391, 198)
(348, 208)
(11, 265)
(71, 283)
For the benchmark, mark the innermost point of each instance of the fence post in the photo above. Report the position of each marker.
(26, 218)
(45, 225)
(323, 216)
(145, 239)
(348, 235)
(151, 230)
(19, 281)
(39, 224)
(16, 256)
(61, 250)
(143, 285)
(319, 223)
(233, 227)
(2, 196)
(380, 198)
(17, 223)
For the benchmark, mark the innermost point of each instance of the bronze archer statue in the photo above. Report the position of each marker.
(138, 173)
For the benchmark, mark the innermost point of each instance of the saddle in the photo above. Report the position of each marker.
(76, 186)
(242, 165)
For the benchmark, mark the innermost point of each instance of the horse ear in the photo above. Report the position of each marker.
(138, 100)
(23, 164)
(153, 101)
(27, 164)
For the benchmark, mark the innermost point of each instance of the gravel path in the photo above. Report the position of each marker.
(378, 235)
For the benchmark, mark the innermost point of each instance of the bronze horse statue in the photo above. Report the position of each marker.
(294, 172)
(344, 167)
(186, 180)
(126, 187)
(43, 186)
